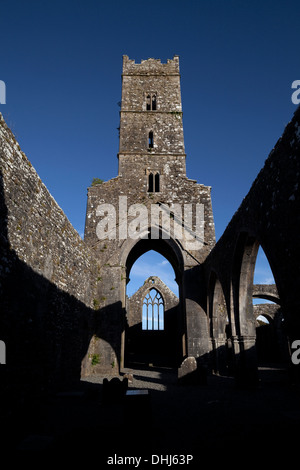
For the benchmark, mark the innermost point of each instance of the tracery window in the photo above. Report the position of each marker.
(153, 311)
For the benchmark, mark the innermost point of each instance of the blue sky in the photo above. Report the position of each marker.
(61, 62)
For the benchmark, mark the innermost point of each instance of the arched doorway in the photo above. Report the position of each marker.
(244, 338)
(271, 340)
(250, 261)
(155, 326)
(219, 327)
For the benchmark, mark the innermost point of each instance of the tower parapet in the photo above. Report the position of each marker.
(151, 66)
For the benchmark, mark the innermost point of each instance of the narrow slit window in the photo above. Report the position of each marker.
(150, 140)
(148, 103)
(156, 183)
(150, 183)
(153, 102)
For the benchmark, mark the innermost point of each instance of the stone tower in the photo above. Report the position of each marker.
(150, 205)
(151, 131)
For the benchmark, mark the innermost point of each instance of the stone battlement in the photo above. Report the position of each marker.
(151, 66)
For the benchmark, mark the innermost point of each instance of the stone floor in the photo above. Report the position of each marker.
(212, 420)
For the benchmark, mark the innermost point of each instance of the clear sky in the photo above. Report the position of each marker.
(61, 62)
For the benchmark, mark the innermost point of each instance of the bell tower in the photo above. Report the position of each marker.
(151, 127)
(150, 205)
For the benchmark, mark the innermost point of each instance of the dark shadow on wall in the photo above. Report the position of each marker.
(272, 341)
(155, 426)
(47, 332)
(109, 325)
(157, 347)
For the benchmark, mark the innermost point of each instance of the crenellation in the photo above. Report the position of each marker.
(154, 66)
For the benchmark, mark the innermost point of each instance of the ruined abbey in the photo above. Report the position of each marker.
(64, 309)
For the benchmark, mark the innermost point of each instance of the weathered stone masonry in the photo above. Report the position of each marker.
(63, 306)
(141, 158)
(269, 216)
(47, 277)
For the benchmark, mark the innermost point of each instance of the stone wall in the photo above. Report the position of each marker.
(151, 79)
(269, 217)
(271, 340)
(175, 189)
(269, 214)
(113, 252)
(268, 310)
(47, 278)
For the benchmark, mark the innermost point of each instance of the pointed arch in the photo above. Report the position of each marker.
(219, 326)
(148, 103)
(153, 310)
(153, 102)
(150, 183)
(157, 182)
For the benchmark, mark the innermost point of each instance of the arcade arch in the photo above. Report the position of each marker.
(162, 346)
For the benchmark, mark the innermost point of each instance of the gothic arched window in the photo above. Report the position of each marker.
(148, 103)
(153, 311)
(156, 182)
(151, 102)
(150, 183)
